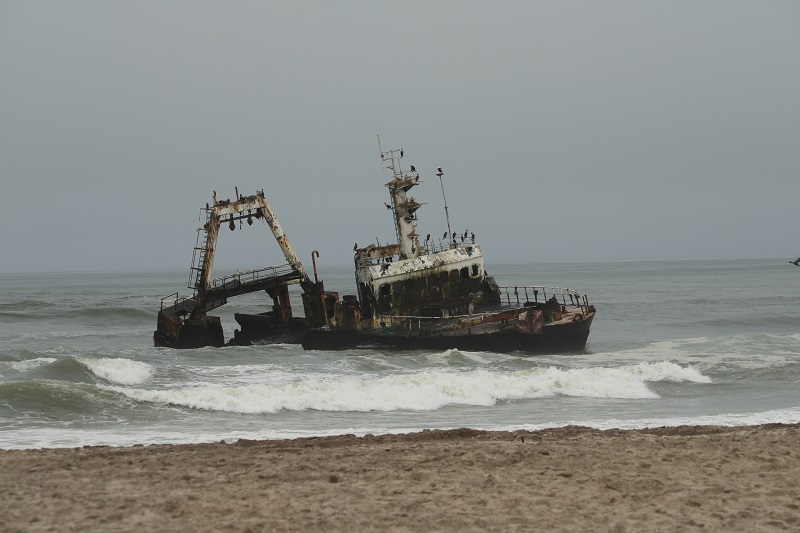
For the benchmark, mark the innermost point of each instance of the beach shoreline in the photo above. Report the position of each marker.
(572, 478)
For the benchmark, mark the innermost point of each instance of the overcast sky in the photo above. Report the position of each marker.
(567, 130)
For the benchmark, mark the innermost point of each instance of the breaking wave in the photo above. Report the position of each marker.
(13, 367)
(118, 370)
(423, 391)
(79, 369)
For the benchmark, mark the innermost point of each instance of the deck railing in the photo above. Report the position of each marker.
(440, 245)
(519, 295)
(181, 306)
(422, 325)
(185, 305)
(430, 247)
(239, 278)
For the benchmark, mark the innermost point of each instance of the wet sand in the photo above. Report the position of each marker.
(566, 479)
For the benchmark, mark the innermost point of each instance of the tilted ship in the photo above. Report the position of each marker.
(417, 294)
(436, 294)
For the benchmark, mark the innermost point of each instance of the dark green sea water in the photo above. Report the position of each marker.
(675, 342)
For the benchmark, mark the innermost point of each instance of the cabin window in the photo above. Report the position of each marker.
(384, 289)
(433, 280)
(443, 276)
(475, 270)
(453, 276)
(464, 273)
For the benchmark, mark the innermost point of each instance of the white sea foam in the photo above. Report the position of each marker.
(242, 373)
(27, 364)
(424, 391)
(450, 356)
(776, 416)
(118, 370)
(666, 371)
(751, 352)
(39, 437)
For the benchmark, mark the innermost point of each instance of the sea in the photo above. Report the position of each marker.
(681, 342)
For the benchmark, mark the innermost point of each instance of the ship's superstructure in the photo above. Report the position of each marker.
(435, 293)
(437, 277)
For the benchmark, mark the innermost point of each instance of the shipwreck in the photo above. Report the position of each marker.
(431, 293)
(183, 322)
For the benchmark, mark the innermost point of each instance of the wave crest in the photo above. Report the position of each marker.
(423, 391)
(118, 370)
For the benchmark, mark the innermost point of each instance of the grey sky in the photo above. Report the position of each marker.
(567, 130)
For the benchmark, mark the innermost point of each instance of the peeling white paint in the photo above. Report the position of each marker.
(420, 267)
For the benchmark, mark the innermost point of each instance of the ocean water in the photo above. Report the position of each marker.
(673, 342)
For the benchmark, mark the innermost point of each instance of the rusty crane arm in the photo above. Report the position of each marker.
(246, 207)
(283, 241)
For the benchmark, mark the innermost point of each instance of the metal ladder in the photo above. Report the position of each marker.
(196, 270)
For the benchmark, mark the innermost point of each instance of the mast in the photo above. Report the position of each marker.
(446, 212)
(403, 206)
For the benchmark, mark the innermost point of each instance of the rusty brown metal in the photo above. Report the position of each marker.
(212, 233)
(314, 254)
(283, 241)
(193, 327)
(378, 252)
(439, 295)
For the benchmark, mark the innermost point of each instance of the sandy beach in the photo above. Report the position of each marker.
(565, 479)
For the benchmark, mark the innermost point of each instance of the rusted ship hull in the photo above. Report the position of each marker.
(264, 329)
(432, 293)
(188, 333)
(556, 338)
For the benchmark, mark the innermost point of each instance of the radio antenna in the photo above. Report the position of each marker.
(446, 212)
